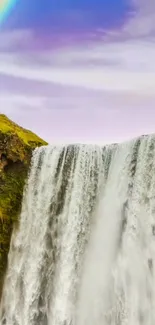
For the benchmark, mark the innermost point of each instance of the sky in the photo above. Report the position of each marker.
(79, 70)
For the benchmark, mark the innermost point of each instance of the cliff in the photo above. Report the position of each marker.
(16, 146)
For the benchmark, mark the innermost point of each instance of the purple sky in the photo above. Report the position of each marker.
(89, 84)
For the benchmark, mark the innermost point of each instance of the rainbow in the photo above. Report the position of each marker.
(5, 8)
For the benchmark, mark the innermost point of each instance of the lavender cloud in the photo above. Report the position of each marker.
(100, 88)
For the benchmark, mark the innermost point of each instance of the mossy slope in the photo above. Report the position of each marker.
(16, 146)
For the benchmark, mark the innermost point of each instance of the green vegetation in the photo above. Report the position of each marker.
(16, 146)
(28, 137)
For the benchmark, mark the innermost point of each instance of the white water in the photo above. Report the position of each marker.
(84, 252)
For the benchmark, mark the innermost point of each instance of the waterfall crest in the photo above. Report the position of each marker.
(84, 252)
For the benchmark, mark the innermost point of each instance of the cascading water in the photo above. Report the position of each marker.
(84, 252)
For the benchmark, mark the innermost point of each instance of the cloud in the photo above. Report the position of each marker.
(134, 72)
(74, 96)
(12, 40)
(114, 120)
(142, 23)
(16, 101)
(100, 90)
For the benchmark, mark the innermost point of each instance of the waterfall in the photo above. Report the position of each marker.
(84, 250)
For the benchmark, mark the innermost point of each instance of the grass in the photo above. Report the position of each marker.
(28, 137)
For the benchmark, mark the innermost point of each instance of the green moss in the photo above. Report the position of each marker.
(28, 137)
(12, 193)
(16, 146)
(16, 142)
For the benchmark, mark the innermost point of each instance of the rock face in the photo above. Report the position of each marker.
(16, 146)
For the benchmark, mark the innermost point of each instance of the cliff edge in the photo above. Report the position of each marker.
(16, 146)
